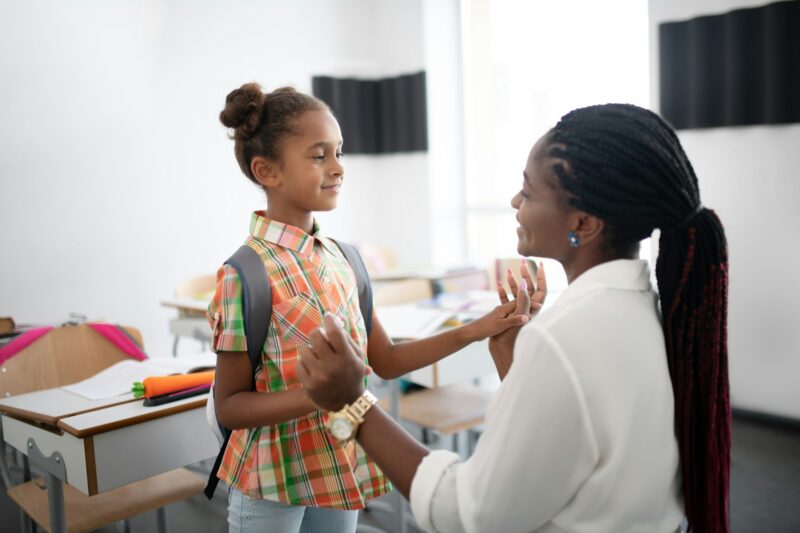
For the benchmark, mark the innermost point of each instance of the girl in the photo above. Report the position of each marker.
(609, 417)
(285, 472)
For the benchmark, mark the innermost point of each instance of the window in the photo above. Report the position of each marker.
(525, 65)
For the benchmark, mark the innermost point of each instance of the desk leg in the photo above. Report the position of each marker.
(56, 471)
(399, 501)
(55, 500)
(161, 518)
(27, 524)
(3, 466)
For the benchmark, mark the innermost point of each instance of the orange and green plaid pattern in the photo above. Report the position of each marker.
(293, 462)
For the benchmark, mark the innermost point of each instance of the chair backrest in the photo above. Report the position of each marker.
(62, 356)
(377, 259)
(401, 291)
(199, 288)
(499, 267)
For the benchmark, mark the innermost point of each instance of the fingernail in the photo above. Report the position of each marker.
(524, 319)
(335, 319)
(523, 285)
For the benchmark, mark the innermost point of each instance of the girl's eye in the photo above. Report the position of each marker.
(339, 155)
(523, 193)
(319, 157)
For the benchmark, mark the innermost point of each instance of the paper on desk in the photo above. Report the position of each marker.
(411, 321)
(117, 379)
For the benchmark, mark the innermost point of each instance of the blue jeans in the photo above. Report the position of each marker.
(254, 515)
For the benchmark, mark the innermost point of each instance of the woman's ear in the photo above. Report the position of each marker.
(265, 171)
(589, 228)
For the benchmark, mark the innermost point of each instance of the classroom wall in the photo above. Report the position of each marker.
(118, 182)
(749, 176)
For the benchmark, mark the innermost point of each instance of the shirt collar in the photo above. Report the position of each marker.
(285, 235)
(620, 274)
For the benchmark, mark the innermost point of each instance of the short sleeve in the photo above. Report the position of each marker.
(225, 313)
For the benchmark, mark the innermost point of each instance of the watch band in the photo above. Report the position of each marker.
(359, 408)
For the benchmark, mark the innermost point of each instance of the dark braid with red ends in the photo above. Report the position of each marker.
(626, 166)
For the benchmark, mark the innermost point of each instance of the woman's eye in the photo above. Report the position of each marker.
(339, 155)
(319, 157)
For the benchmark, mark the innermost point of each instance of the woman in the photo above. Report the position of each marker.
(612, 415)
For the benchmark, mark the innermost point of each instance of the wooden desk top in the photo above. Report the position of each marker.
(50, 405)
(125, 414)
(80, 417)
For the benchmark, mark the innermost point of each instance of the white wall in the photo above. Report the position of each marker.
(750, 176)
(118, 182)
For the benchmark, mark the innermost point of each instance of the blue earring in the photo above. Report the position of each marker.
(574, 240)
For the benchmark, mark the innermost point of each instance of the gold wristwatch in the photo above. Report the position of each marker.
(343, 424)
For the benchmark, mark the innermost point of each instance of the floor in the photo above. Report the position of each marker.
(765, 490)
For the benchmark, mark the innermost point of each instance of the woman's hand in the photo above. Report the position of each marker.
(501, 346)
(537, 292)
(331, 367)
(511, 314)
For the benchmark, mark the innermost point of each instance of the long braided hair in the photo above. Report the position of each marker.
(626, 166)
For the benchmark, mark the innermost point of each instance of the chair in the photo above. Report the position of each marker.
(66, 355)
(498, 268)
(449, 410)
(377, 259)
(190, 322)
(401, 291)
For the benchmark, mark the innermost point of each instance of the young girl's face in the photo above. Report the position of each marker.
(311, 163)
(542, 210)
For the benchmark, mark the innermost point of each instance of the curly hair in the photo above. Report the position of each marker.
(261, 121)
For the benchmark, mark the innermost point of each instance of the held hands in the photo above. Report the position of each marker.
(501, 345)
(513, 313)
(536, 292)
(331, 366)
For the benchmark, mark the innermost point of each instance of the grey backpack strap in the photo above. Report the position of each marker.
(256, 300)
(362, 281)
(257, 310)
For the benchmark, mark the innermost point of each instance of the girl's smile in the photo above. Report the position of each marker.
(333, 188)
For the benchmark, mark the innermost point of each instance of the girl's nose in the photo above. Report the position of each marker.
(337, 168)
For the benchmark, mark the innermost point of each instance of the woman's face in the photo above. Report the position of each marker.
(542, 208)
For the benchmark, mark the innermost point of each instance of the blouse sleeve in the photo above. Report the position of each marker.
(225, 314)
(537, 449)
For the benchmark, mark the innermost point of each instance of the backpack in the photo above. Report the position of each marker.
(257, 310)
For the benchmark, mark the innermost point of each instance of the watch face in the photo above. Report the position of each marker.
(341, 428)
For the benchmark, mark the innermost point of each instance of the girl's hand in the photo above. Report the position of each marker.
(504, 316)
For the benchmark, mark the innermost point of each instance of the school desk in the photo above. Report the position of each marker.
(191, 321)
(97, 446)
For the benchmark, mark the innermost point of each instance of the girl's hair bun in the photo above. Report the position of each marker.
(244, 109)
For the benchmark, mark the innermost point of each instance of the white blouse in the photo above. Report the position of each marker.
(579, 436)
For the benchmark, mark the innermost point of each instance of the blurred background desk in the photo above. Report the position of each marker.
(191, 322)
(191, 300)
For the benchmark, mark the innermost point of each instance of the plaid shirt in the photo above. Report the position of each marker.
(294, 462)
